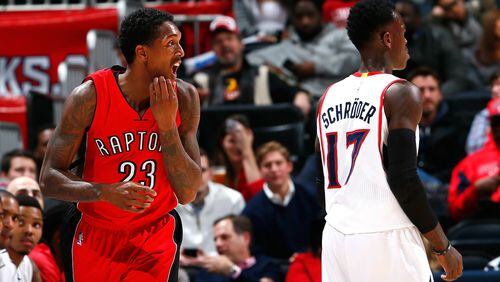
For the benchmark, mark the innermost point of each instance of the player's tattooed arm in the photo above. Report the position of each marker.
(56, 179)
(181, 153)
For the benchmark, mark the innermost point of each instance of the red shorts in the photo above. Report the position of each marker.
(147, 254)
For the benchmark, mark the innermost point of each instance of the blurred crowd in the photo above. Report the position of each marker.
(258, 214)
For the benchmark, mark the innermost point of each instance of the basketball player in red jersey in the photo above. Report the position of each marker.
(375, 203)
(141, 158)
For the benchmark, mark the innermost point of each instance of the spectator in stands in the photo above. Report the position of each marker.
(316, 54)
(47, 254)
(306, 266)
(235, 146)
(43, 136)
(265, 18)
(337, 11)
(233, 235)
(442, 132)
(485, 60)
(432, 46)
(24, 237)
(10, 214)
(478, 130)
(212, 202)
(18, 163)
(1, 220)
(475, 184)
(233, 81)
(454, 16)
(26, 186)
(283, 212)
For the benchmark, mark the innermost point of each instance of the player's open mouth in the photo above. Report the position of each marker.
(175, 67)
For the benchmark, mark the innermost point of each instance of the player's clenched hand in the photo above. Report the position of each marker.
(452, 264)
(128, 196)
(163, 102)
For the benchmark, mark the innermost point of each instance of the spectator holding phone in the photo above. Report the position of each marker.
(235, 146)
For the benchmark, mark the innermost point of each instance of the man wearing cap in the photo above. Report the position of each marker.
(231, 80)
(474, 188)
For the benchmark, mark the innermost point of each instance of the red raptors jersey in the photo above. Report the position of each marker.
(123, 146)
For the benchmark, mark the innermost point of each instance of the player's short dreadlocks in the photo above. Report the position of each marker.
(366, 17)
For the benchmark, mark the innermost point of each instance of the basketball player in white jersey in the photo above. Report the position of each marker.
(375, 203)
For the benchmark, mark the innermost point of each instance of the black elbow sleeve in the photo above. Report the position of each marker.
(404, 181)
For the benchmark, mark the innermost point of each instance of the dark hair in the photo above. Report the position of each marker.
(317, 3)
(7, 158)
(28, 201)
(7, 194)
(241, 223)
(52, 221)
(44, 127)
(486, 53)
(366, 17)
(221, 133)
(140, 27)
(495, 75)
(412, 4)
(424, 71)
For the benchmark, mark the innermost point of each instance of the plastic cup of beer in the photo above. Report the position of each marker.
(219, 174)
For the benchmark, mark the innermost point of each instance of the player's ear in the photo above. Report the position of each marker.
(141, 53)
(386, 39)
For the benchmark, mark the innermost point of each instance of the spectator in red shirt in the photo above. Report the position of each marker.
(306, 266)
(235, 144)
(474, 188)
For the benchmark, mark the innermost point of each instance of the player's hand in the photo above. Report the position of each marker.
(163, 102)
(452, 264)
(128, 196)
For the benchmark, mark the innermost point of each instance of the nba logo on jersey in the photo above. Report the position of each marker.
(80, 239)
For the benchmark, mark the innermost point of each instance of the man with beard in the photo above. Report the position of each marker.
(233, 81)
(442, 133)
(316, 54)
(16, 265)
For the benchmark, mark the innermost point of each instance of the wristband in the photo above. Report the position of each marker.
(443, 252)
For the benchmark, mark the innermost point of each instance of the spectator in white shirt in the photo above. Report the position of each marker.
(212, 201)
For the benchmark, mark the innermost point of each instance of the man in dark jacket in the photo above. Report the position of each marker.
(442, 132)
(283, 212)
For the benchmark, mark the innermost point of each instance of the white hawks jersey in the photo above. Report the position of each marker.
(352, 129)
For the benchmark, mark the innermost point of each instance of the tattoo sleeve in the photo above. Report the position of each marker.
(181, 154)
(56, 179)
